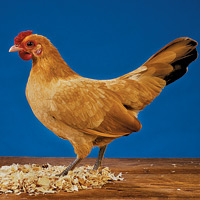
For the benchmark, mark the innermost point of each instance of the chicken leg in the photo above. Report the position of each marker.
(100, 157)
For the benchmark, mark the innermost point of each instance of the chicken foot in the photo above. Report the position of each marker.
(70, 167)
(78, 160)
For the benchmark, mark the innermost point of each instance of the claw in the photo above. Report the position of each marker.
(62, 174)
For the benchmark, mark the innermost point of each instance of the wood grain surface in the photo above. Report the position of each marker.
(145, 178)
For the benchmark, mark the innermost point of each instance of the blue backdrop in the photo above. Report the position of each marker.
(102, 40)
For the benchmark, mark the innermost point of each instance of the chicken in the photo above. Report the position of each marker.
(90, 112)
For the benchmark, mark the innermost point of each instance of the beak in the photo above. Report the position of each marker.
(15, 48)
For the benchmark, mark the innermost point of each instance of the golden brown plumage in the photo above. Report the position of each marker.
(91, 112)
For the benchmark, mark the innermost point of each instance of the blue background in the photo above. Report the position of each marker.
(102, 40)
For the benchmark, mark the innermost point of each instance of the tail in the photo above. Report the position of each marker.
(179, 54)
(170, 63)
(163, 68)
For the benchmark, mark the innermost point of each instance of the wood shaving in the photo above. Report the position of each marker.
(34, 179)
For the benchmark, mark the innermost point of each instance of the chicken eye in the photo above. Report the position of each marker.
(30, 44)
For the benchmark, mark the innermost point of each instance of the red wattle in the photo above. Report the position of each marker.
(25, 56)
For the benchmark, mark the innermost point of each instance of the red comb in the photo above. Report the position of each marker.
(18, 39)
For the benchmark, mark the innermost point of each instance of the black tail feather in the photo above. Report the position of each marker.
(180, 66)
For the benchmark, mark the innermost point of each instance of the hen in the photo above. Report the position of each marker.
(91, 112)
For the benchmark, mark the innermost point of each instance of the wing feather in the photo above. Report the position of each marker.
(89, 106)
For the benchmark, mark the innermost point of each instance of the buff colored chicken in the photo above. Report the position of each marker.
(91, 112)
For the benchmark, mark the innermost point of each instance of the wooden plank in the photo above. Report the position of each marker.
(146, 178)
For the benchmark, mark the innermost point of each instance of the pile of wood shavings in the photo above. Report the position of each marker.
(35, 179)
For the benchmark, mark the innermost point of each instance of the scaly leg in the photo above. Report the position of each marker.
(70, 167)
(100, 156)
